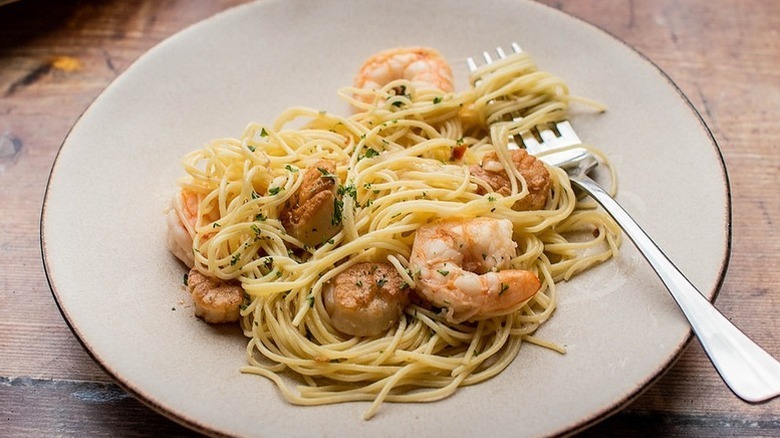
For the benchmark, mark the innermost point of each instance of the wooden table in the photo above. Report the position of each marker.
(55, 57)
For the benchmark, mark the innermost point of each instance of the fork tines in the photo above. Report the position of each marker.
(550, 136)
(489, 58)
(542, 137)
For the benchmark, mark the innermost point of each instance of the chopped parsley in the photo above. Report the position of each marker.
(504, 288)
(443, 272)
(326, 174)
(348, 189)
(273, 191)
(338, 209)
(256, 229)
(436, 99)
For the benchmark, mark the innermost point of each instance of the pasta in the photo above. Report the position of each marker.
(401, 161)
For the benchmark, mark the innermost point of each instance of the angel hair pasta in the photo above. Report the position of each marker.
(394, 254)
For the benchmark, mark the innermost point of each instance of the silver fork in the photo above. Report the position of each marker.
(747, 369)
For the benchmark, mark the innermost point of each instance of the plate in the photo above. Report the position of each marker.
(103, 224)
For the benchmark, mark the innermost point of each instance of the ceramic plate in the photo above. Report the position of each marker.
(103, 224)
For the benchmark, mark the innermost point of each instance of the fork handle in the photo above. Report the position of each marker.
(750, 372)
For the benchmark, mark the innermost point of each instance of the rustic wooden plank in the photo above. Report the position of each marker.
(39, 407)
(45, 351)
(631, 423)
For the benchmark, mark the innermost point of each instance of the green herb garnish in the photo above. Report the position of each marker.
(326, 174)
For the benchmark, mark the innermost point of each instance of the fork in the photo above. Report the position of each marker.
(747, 369)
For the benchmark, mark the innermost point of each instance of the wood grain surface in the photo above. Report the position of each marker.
(56, 57)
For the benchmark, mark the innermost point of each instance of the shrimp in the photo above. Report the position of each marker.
(366, 299)
(216, 301)
(464, 266)
(181, 220)
(421, 66)
(310, 214)
(536, 176)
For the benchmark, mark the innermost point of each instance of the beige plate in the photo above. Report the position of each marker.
(103, 228)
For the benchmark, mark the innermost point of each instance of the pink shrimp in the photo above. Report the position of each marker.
(182, 219)
(422, 66)
(464, 267)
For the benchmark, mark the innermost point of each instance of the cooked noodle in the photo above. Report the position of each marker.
(396, 170)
